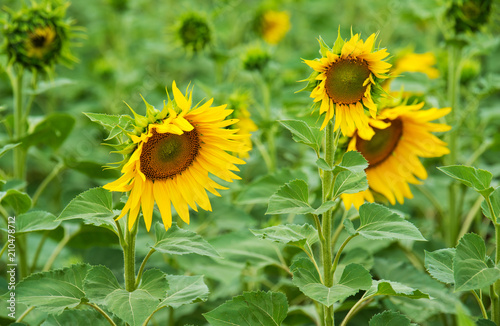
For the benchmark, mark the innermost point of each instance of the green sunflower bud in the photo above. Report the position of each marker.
(38, 37)
(194, 32)
(469, 15)
(256, 59)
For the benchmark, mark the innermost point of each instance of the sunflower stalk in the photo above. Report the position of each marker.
(129, 257)
(495, 287)
(454, 57)
(19, 126)
(326, 227)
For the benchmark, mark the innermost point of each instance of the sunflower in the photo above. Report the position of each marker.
(273, 25)
(402, 136)
(38, 37)
(346, 81)
(417, 62)
(174, 152)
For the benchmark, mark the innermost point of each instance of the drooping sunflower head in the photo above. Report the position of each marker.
(402, 135)
(172, 156)
(194, 31)
(38, 37)
(272, 25)
(346, 81)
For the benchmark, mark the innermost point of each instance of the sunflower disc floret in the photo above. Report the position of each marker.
(345, 82)
(174, 153)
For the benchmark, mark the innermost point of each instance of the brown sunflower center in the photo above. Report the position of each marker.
(38, 40)
(166, 155)
(382, 144)
(344, 81)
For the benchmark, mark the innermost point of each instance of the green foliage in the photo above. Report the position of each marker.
(177, 241)
(389, 318)
(20, 202)
(305, 134)
(293, 234)
(354, 278)
(379, 222)
(94, 206)
(76, 318)
(390, 288)
(349, 175)
(52, 131)
(184, 290)
(249, 309)
(477, 179)
(495, 205)
(35, 221)
(472, 269)
(55, 290)
(439, 264)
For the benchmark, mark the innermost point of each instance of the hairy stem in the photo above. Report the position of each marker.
(326, 244)
(102, 312)
(141, 269)
(481, 305)
(129, 257)
(337, 256)
(19, 127)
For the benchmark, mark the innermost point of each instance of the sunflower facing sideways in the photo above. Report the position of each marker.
(402, 136)
(346, 81)
(172, 154)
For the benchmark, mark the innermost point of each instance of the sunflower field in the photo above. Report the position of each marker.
(230, 162)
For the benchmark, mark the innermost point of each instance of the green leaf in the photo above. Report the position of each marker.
(354, 278)
(184, 290)
(76, 317)
(7, 147)
(250, 309)
(177, 241)
(114, 123)
(132, 307)
(349, 227)
(20, 202)
(303, 133)
(350, 176)
(378, 222)
(293, 197)
(351, 161)
(259, 190)
(55, 290)
(470, 268)
(35, 221)
(52, 130)
(44, 86)
(293, 234)
(154, 281)
(389, 318)
(439, 264)
(495, 204)
(99, 283)
(94, 206)
(477, 179)
(383, 287)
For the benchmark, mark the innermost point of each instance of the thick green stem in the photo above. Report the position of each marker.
(19, 127)
(129, 257)
(452, 220)
(326, 244)
(22, 256)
